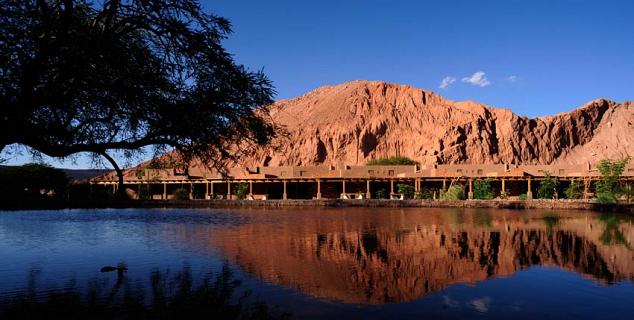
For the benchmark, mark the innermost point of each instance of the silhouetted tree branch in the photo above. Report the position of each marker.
(76, 76)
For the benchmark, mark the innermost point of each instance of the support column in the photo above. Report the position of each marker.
(444, 184)
(318, 189)
(344, 186)
(228, 190)
(211, 190)
(368, 193)
(191, 191)
(251, 187)
(206, 190)
(529, 193)
(164, 190)
(391, 187)
(416, 186)
(284, 196)
(470, 194)
(586, 187)
(503, 185)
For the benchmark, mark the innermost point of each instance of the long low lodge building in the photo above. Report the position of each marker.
(351, 182)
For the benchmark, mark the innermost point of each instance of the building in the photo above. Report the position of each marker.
(319, 182)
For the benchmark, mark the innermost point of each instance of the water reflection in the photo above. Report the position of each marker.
(401, 255)
(167, 296)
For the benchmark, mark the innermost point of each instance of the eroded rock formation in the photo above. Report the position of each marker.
(361, 120)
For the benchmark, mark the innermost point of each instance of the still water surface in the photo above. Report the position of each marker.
(362, 262)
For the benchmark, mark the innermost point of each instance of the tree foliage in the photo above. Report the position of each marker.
(609, 187)
(83, 76)
(392, 161)
(482, 189)
(31, 182)
(454, 192)
(548, 187)
(241, 190)
(405, 189)
(573, 191)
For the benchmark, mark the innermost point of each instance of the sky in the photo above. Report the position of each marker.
(534, 57)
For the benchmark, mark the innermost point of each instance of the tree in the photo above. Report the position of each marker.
(392, 161)
(117, 76)
(406, 190)
(548, 187)
(31, 182)
(241, 190)
(482, 189)
(454, 192)
(609, 187)
(573, 191)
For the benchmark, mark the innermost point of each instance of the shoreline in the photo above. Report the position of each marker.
(332, 203)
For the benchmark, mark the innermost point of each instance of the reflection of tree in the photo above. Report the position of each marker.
(550, 221)
(171, 297)
(612, 234)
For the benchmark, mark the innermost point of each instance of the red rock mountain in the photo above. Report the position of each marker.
(356, 121)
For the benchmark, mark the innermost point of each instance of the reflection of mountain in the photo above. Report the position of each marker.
(396, 256)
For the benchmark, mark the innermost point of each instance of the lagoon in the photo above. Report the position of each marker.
(331, 262)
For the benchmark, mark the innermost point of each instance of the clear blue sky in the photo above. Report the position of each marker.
(538, 57)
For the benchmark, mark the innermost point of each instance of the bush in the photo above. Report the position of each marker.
(606, 198)
(454, 192)
(523, 197)
(380, 194)
(406, 190)
(392, 161)
(609, 188)
(573, 191)
(548, 187)
(241, 190)
(482, 189)
(504, 195)
(32, 182)
(181, 194)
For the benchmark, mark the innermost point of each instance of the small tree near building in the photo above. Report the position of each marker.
(482, 189)
(406, 190)
(573, 191)
(548, 187)
(609, 187)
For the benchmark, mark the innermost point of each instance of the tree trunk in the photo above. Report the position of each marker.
(120, 188)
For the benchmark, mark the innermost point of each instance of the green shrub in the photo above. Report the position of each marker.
(606, 198)
(573, 191)
(548, 187)
(380, 194)
(241, 190)
(609, 188)
(392, 161)
(181, 194)
(454, 192)
(405, 189)
(523, 197)
(482, 189)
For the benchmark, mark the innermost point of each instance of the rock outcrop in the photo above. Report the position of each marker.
(361, 120)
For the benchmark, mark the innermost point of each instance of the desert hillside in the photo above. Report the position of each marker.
(356, 121)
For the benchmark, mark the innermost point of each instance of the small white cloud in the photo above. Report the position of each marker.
(477, 79)
(446, 82)
(511, 78)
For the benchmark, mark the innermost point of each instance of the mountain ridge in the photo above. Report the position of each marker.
(356, 121)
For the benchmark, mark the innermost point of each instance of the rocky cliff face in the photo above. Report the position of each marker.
(361, 120)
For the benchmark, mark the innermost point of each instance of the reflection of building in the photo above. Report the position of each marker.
(354, 181)
(358, 256)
